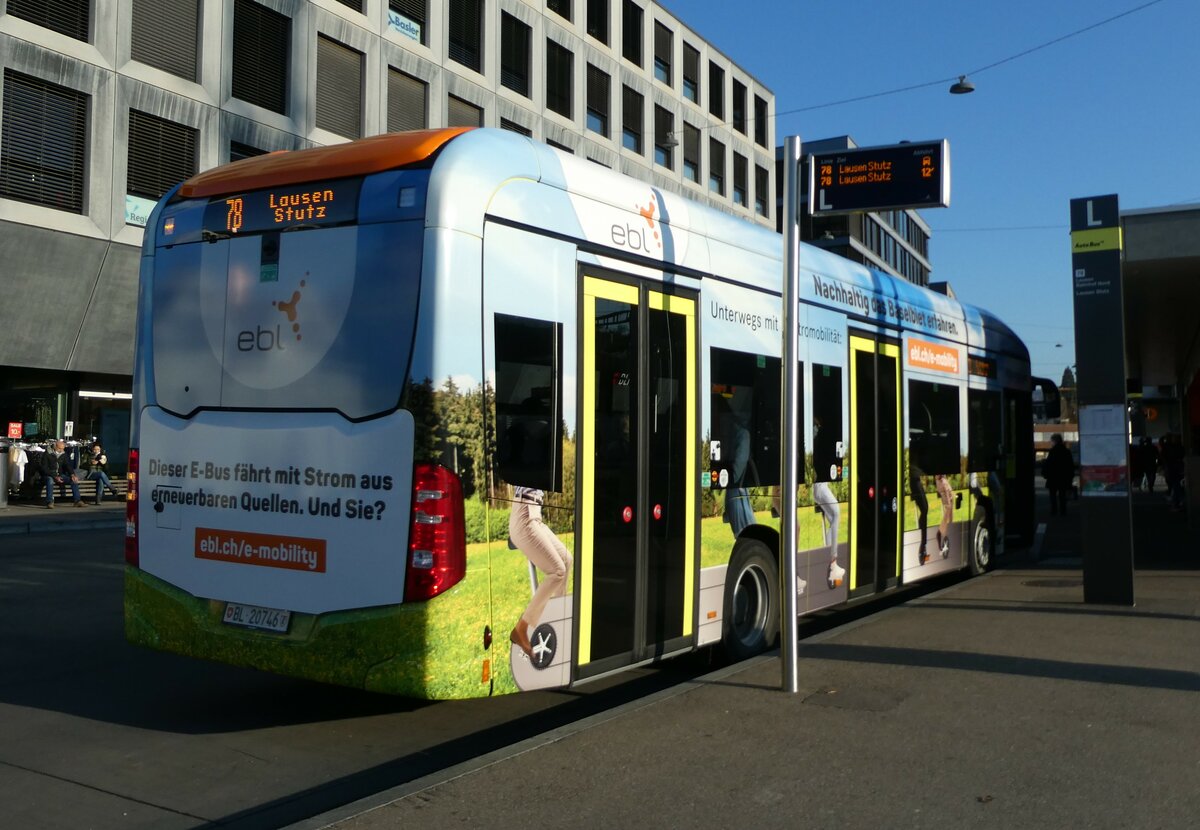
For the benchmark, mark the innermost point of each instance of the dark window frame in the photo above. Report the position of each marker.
(516, 54)
(261, 56)
(716, 90)
(599, 98)
(632, 18)
(29, 142)
(664, 129)
(633, 119)
(691, 73)
(560, 79)
(597, 20)
(664, 47)
(153, 168)
(464, 33)
(398, 119)
(338, 107)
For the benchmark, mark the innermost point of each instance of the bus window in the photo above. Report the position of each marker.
(529, 402)
(827, 423)
(933, 427)
(984, 431)
(745, 412)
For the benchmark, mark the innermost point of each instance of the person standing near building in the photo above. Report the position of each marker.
(1059, 471)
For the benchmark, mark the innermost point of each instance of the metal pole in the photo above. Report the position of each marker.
(790, 420)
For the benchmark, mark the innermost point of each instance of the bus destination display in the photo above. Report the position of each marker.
(281, 209)
(914, 175)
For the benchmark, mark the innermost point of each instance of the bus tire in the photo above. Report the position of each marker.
(980, 554)
(751, 605)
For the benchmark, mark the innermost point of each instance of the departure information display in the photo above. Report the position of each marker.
(911, 175)
(287, 208)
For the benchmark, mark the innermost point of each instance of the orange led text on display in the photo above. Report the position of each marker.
(283, 208)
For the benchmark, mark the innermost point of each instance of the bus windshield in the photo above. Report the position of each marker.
(308, 317)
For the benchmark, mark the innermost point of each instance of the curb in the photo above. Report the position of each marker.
(19, 528)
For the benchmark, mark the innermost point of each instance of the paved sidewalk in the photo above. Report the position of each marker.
(1000, 702)
(30, 517)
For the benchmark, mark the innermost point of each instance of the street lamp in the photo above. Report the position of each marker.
(962, 86)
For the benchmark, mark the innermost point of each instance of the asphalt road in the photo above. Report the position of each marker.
(102, 734)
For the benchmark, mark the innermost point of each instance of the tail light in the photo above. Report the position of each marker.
(437, 540)
(131, 510)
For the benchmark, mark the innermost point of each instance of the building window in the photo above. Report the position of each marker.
(598, 84)
(408, 102)
(339, 88)
(67, 17)
(459, 113)
(164, 35)
(161, 155)
(716, 90)
(560, 7)
(691, 152)
(761, 191)
(239, 151)
(513, 126)
(43, 143)
(558, 146)
(741, 175)
(632, 105)
(716, 166)
(739, 106)
(261, 49)
(760, 121)
(559, 61)
(466, 33)
(408, 18)
(691, 73)
(664, 138)
(514, 54)
(597, 20)
(662, 52)
(631, 32)
(352, 4)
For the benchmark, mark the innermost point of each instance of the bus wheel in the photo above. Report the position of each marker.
(751, 600)
(981, 542)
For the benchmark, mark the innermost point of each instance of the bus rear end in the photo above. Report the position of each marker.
(277, 517)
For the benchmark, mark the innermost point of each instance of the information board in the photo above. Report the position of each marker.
(894, 177)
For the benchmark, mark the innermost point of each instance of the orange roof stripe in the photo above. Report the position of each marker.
(356, 158)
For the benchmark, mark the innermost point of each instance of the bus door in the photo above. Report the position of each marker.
(638, 474)
(875, 468)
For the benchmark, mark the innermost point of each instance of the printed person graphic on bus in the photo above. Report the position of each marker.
(735, 440)
(825, 468)
(548, 554)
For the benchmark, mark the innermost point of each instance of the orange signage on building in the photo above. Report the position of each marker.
(925, 355)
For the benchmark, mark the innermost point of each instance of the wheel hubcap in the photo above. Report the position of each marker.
(750, 605)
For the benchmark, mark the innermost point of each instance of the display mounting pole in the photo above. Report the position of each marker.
(790, 416)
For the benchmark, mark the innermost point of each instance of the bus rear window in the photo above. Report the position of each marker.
(308, 319)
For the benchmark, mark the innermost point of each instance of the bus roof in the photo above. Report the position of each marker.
(356, 158)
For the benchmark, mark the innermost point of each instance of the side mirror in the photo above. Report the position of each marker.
(1046, 401)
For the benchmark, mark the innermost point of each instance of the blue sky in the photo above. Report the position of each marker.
(1112, 110)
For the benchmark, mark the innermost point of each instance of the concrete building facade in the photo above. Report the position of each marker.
(106, 104)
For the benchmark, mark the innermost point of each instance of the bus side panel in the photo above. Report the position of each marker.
(824, 517)
(739, 429)
(938, 506)
(530, 359)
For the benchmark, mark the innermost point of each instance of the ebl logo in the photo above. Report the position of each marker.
(271, 338)
(637, 238)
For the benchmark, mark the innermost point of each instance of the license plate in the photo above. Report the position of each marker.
(253, 616)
